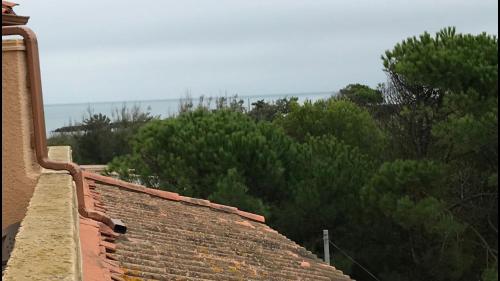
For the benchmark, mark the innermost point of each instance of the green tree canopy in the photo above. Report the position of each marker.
(405, 197)
(195, 154)
(447, 93)
(342, 119)
(361, 94)
(448, 61)
(424, 71)
(265, 111)
(326, 180)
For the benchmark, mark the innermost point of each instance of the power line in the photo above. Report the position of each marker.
(362, 267)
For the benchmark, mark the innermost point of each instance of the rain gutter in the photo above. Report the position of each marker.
(39, 135)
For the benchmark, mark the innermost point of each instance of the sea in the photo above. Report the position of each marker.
(60, 115)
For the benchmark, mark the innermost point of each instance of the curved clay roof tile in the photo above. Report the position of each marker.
(9, 17)
(7, 8)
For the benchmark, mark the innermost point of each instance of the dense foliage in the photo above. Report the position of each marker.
(340, 118)
(201, 152)
(361, 95)
(98, 139)
(404, 176)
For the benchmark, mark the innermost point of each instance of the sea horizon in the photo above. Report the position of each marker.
(198, 96)
(59, 115)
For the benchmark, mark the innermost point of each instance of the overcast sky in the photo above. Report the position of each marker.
(93, 51)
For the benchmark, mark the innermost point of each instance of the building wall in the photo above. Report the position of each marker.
(20, 170)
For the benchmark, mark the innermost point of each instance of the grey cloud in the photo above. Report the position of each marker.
(118, 50)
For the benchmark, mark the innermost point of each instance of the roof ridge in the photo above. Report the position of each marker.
(172, 196)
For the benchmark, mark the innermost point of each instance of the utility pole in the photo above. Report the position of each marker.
(326, 246)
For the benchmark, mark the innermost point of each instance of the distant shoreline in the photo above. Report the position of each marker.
(67, 114)
(196, 97)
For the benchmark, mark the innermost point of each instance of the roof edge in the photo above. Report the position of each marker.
(10, 19)
(97, 240)
(172, 196)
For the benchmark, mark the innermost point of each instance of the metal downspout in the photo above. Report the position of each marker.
(40, 137)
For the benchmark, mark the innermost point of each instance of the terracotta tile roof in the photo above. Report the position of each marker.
(7, 8)
(96, 239)
(173, 196)
(9, 17)
(171, 237)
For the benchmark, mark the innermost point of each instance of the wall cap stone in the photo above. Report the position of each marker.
(48, 242)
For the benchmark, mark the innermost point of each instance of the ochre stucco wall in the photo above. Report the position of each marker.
(20, 171)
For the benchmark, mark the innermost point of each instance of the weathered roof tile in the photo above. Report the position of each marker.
(9, 17)
(7, 8)
(191, 239)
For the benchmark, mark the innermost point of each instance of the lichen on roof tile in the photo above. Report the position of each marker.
(179, 240)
